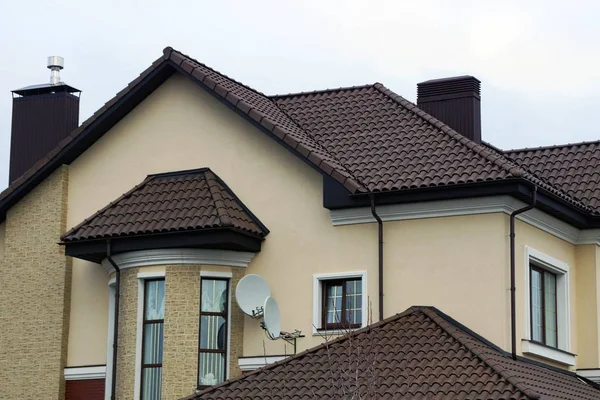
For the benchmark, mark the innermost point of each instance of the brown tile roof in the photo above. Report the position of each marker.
(367, 138)
(171, 202)
(389, 144)
(419, 354)
(575, 168)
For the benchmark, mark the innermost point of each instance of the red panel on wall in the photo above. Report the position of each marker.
(89, 389)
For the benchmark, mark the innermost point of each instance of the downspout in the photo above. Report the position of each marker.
(513, 317)
(113, 387)
(380, 250)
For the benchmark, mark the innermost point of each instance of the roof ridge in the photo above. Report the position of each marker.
(553, 146)
(167, 55)
(479, 149)
(445, 325)
(319, 91)
(221, 209)
(107, 207)
(409, 311)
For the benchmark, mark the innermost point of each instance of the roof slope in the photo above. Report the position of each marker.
(418, 354)
(178, 201)
(390, 144)
(575, 168)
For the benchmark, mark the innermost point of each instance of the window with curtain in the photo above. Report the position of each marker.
(342, 303)
(543, 306)
(212, 349)
(152, 339)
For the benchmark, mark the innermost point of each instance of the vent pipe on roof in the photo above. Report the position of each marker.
(454, 101)
(55, 64)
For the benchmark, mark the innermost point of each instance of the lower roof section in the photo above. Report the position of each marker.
(420, 353)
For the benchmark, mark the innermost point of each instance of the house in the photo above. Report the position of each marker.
(122, 240)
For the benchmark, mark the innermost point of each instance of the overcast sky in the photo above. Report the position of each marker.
(539, 61)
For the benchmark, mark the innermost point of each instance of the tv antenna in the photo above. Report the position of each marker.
(254, 298)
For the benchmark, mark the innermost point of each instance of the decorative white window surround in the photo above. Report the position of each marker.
(83, 373)
(144, 258)
(142, 276)
(549, 353)
(222, 275)
(470, 206)
(561, 269)
(591, 374)
(251, 363)
(318, 280)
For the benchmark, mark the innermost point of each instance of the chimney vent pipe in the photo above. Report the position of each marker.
(55, 64)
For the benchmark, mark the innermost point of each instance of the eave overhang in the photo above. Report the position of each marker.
(218, 239)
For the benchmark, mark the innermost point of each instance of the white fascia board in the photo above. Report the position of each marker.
(252, 363)
(469, 206)
(83, 373)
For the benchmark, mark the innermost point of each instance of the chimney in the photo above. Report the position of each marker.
(42, 116)
(454, 101)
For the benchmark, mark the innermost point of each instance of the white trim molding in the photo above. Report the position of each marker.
(318, 280)
(591, 374)
(469, 206)
(145, 258)
(548, 353)
(83, 373)
(251, 363)
(216, 274)
(563, 304)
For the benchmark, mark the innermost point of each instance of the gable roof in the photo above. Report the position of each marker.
(170, 202)
(368, 138)
(575, 168)
(420, 353)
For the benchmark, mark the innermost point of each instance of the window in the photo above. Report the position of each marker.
(152, 339)
(544, 324)
(547, 312)
(212, 349)
(339, 301)
(342, 303)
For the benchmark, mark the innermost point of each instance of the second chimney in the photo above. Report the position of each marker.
(454, 101)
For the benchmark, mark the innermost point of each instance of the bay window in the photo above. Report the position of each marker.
(152, 339)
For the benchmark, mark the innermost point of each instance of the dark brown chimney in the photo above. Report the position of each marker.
(454, 101)
(42, 116)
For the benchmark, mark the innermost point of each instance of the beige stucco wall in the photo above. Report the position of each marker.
(34, 300)
(459, 264)
(588, 305)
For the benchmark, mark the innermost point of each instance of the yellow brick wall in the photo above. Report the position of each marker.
(35, 295)
(182, 313)
(126, 355)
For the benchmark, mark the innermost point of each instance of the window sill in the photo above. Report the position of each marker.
(333, 332)
(548, 353)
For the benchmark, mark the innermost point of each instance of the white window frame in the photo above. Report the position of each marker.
(318, 280)
(229, 277)
(142, 276)
(563, 302)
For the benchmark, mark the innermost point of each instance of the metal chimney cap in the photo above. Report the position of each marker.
(56, 62)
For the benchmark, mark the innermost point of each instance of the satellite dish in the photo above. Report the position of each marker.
(272, 318)
(250, 294)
